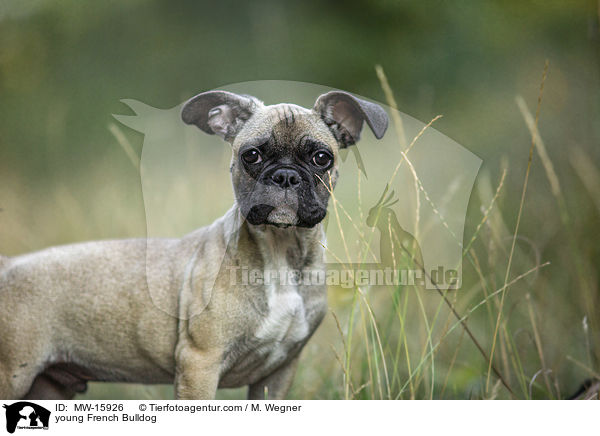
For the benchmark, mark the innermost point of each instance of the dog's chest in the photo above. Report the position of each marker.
(282, 313)
(285, 323)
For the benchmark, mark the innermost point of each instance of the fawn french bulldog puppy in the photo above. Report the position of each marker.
(83, 312)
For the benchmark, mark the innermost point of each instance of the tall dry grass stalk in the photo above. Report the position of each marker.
(516, 232)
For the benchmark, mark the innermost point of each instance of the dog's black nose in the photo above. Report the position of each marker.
(286, 178)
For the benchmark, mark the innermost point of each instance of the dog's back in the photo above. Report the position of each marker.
(55, 310)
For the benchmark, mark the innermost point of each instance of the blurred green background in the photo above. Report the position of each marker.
(64, 66)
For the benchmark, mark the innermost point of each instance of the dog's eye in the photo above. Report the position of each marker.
(252, 156)
(322, 159)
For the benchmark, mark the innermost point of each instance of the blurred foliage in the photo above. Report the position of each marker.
(64, 66)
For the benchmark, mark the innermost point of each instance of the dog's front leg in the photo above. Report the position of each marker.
(197, 373)
(276, 385)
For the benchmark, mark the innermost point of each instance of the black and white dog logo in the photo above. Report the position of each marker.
(26, 415)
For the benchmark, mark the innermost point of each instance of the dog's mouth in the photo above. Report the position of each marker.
(282, 207)
(285, 215)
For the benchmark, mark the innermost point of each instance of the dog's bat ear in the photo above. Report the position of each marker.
(344, 114)
(219, 112)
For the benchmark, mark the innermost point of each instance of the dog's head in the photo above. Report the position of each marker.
(285, 157)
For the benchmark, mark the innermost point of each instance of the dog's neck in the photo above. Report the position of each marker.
(292, 247)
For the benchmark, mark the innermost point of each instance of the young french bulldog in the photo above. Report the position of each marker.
(83, 312)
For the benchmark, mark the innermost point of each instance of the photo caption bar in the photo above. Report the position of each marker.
(292, 417)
